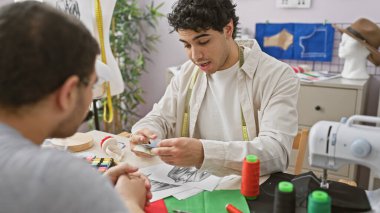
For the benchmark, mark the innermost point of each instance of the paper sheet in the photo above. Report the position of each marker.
(182, 176)
(162, 190)
(169, 180)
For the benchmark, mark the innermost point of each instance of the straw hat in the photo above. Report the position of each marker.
(367, 33)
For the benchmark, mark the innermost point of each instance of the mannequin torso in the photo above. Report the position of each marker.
(85, 11)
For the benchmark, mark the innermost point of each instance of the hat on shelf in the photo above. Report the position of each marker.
(367, 33)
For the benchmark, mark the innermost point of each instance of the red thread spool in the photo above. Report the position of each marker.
(104, 139)
(232, 209)
(250, 176)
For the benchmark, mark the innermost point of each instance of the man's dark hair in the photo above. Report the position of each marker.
(201, 15)
(40, 47)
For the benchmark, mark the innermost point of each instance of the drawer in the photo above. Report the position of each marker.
(324, 103)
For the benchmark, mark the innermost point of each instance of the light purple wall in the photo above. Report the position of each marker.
(2, 2)
(170, 51)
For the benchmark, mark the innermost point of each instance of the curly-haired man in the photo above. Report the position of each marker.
(227, 101)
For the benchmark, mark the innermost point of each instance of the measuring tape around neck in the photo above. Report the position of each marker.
(186, 114)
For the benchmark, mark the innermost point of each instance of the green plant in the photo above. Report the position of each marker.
(131, 43)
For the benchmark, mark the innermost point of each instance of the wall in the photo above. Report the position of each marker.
(170, 50)
(2, 2)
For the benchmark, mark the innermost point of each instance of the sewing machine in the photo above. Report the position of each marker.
(333, 144)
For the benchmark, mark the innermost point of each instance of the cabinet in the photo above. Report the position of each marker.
(329, 100)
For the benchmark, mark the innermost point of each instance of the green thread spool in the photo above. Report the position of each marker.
(319, 202)
(251, 158)
(285, 186)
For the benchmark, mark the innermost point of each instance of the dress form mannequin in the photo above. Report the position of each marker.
(96, 15)
(85, 11)
(69, 6)
(355, 55)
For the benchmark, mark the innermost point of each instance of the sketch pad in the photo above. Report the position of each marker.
(76, 143)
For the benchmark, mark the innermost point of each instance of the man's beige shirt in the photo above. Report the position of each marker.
(265, 85)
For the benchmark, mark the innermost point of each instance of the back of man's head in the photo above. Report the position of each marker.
(201, 15)
(40, 48)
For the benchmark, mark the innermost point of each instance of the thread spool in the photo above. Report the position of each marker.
(250, 175)
(110, 147)
(319, 202)
(232, 209)
(284, 198)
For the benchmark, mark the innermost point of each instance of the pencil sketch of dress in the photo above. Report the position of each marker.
(159, 186)
(69, 6)
(184, 175)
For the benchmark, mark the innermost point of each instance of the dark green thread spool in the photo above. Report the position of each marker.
(284, 198)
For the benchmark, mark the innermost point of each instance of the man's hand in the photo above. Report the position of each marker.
(141, 137)
(132, 191)
(181, 152)
(114, 173)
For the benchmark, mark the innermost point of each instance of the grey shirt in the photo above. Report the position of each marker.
(46, 180)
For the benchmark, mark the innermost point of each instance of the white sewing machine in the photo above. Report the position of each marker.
(333, 144)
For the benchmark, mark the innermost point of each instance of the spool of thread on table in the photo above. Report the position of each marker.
(232, 209)
(319, 202)
(250, 175)
(284, 198)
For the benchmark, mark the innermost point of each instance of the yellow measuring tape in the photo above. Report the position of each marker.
(107, 104)
(185, 122)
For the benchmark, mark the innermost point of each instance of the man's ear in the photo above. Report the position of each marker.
(229, 29)
(66, 94)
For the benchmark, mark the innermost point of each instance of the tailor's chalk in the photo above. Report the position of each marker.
(143, 149)
(102, 169)
(152, 143)
(101, 164)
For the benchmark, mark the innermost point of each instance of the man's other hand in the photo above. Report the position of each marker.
(141, 137)
(181, 152)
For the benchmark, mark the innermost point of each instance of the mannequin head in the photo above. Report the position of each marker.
(360, 41)
(350, 48)
(355, 55)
